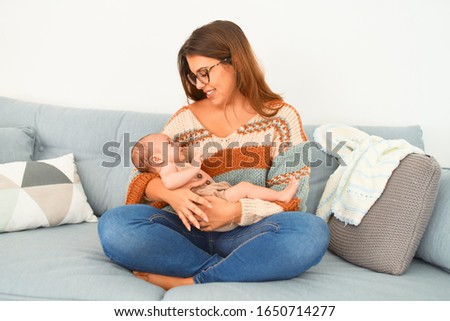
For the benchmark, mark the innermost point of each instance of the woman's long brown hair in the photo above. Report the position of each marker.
(221, 40)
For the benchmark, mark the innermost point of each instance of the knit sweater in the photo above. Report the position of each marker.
(266, 151)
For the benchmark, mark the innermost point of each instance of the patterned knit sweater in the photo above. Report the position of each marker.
(266, 151)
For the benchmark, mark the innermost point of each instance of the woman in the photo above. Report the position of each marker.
(246, 133)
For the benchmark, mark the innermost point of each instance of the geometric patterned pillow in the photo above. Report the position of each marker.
(41, 194)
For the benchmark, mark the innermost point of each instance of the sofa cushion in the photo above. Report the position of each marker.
(65, 263)
(323, 165)
(41, 194)
(100, 140)
(17, 144)
(389, 234)
(333, 279)
(435, 245)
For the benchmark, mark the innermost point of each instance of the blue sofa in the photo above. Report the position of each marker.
(67, 262)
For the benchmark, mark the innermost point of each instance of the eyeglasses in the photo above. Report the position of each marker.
(202, 74)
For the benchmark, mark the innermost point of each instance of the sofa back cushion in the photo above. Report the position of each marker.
(323, 165)
(16, 144)
(101, 141)
(435, 245)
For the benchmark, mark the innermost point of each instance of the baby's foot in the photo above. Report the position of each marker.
(288, 193)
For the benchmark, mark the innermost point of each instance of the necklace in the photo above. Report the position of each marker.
(226, 117)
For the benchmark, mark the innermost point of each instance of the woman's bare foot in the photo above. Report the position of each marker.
(288, 193)
(164, 281)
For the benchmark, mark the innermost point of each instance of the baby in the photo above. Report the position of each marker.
(156, 153)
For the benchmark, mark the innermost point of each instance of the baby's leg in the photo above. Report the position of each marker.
(248, 190)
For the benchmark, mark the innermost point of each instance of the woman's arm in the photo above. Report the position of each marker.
(221, 213)
(183, 201)
(290, 160)
(285, 166)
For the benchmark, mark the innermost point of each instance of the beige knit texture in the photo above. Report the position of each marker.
(254, 210)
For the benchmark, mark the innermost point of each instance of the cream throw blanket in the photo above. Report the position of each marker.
(366, 164)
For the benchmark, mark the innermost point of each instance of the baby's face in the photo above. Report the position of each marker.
(168, 150)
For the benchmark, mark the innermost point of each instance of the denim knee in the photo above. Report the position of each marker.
(306, 239)
(108, 225)
(319, 236)
(114, 224)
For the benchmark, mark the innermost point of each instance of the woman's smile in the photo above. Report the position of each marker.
(209, 93)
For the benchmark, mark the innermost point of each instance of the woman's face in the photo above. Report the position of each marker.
(222, 85)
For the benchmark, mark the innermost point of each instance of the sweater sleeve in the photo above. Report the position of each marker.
(136, 187)
(290, 164)
(290, 161)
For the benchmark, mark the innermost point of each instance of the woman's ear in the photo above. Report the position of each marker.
(234, 61)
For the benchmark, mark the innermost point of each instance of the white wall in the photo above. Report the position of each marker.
(373, 62)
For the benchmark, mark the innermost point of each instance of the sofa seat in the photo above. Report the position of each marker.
(67, 263)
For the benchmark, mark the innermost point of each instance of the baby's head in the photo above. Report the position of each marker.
(150, 153)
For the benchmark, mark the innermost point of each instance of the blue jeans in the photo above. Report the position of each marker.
(282, 246)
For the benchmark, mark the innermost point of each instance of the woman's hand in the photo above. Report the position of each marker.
(184, 202)
(187, 206)
(220, 214)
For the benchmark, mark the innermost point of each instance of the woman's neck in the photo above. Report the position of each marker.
(223, 120)
(237, 115)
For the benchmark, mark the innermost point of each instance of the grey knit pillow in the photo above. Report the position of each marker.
(389, 234)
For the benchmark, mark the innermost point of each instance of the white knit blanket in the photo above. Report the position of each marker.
(366, 164)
